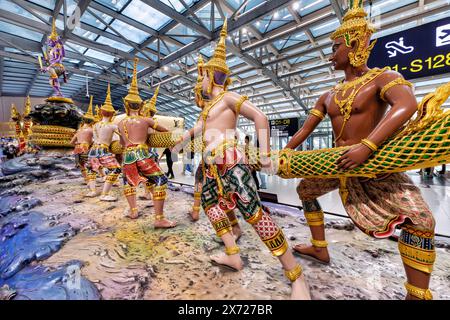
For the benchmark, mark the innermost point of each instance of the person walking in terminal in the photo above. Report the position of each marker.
(228, 183)
(139, 164)
(169, 161)
(358, 109)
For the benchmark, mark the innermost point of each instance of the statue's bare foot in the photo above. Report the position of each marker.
(91, 194)
(232, 262)
(108, 198)
(319, 255)
(127, 213)
(195, 215)
(410, 297)
(164, 224)
(300, 290)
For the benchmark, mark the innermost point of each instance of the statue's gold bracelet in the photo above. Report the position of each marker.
(155, 125)
(369, 144)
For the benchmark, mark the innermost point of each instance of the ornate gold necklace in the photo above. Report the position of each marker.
(346, 104)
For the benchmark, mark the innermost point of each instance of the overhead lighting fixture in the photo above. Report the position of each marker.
(276, 15)
(296, 5)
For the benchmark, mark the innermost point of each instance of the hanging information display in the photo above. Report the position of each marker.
(417, 52)
(284, 127)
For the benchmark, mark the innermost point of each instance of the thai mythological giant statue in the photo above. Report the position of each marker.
(365, 165)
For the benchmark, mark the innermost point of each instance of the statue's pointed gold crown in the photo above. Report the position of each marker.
(219, 59)
(200, 65)
(108, 106)
(98, 116)
(355, 25)
(54, 35)
(14, 113)
(27, 109)
(133, 93)
(89, 114)
(151, 105)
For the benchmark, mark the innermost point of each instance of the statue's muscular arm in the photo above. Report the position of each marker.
(403, 106)
(191, 133)
(75, 138)
(158, 128)
(251, 112)
(121, 136)
(310, 124)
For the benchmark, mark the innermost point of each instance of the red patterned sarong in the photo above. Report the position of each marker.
(376, 206)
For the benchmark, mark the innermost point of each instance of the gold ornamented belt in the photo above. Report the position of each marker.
(136, 147)
(219, 151)
(83, 145)
(100, 145)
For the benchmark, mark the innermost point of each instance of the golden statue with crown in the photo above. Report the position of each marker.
(100, 155)
(227, 181)
(375, 144)
(138, 163)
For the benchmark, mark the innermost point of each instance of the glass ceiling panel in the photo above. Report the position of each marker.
(20, 31)
(274, 21)
(182, 29)
(291, 41)
(84, 34)
(151, 55)
(80, 49)
(204, 14)
(306, 7)
(250, 5)
(325, 28)
(177, 5)
(184, 40)
(93, 21)
(387, 5)
(116, 5)
(114, 44)
(129, 32)
(49, 4)
(395, 29)
(14, 8)
(139, 11)
(99, 55)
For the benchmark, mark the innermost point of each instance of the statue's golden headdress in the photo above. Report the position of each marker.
(218, 62)
(108, 106)
(150, 104)
(98, 116)
(355, 28)
(89, 115)
(27, 108)
(54, 35)
(200, 65)
(15, 115)
(133, 93)
(199, 86)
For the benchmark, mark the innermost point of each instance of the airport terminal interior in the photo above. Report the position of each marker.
(196, 149)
